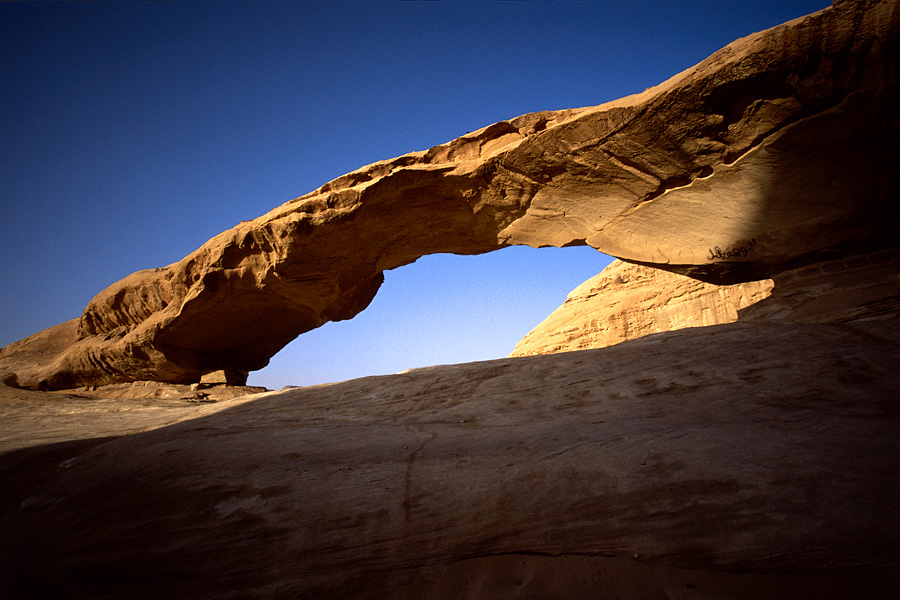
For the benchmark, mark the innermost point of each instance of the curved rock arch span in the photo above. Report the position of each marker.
(772, 152)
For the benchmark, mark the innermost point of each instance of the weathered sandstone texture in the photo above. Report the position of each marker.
(627, 301)
(31, 418)
(740, 461)
(776, 151)
(862, 287)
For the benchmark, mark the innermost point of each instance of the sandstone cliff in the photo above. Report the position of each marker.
(774, 152)
(627, 301)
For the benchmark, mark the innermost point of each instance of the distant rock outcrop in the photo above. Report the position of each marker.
(778, 150)
(627, 301)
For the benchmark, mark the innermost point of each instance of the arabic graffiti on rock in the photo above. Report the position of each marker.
(735, 252)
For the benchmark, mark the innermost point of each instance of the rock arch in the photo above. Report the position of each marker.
(772, 152)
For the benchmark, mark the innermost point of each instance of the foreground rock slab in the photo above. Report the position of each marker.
(740, 461)
(774, 152)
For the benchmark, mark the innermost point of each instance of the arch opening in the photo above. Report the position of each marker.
(442, 309)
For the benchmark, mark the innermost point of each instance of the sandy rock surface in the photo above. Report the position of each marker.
(627, 301)
(31, 418)
(864, 287)
(774, 152)
(656, 468)
(754, 459)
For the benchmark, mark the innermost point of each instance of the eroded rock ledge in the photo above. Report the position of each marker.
(774, 152)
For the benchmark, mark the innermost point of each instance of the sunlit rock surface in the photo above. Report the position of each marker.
(627, 301)
(776, 151)
(753, 459)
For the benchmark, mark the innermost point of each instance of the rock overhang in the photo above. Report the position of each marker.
(774, 152)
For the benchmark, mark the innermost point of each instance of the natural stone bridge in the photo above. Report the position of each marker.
(772, 153)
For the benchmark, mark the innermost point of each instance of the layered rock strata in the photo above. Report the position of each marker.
(862, 287)
(776, 151)
(627, 301)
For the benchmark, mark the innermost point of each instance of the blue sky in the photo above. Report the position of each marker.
(133, 132)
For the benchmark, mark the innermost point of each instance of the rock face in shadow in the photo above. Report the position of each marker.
(741, 461)
(627, 301)
(774, 152)
(863, 287)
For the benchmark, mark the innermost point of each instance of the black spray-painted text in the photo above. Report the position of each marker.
(735, 252)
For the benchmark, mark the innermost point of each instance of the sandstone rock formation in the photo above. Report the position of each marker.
(774, 152)
(863, 287)
(627, 301)
(740, 461)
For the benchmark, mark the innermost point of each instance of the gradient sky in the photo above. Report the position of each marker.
(133, 132)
